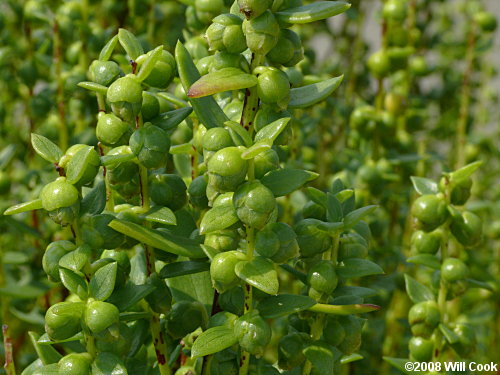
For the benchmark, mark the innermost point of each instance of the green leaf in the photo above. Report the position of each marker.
(350, 358)
(240, 131)
(285, 181)
(353, 217)
(148, 65)
(160, 240)
(315, 11)
(260, 273)
(23, 291)
(320, 356)
(354, 267)
(295, 272)
(76, 259)
(46, 148)
(107, 363)
(77, 165)
(33, 367)
(14, 257)
(47, 354)
(102, 283)
(129, 294)
(207, 110)
(45, 339)
(130, 44)
(185, 148)
(305, 96)
(424, 185)
(466, 171)
(333, 208)
(213, 340)
(451, 336)
(171, 98)
(218, 218)
(94, 202)
(317, 196)
(480, 284)
(169, 120)
(74, 282)
(256, 149)
(225, 79)
(183, 268)
(283, 305)
(344, 195)
(427, 260)
(358, 308)
(399, 363)
(93, 86)
(193, 287)
(108, 49)
(416, 291)
(7, 155)
(23, 207)
(359, 291)
(162, 215)
(111, 160)
(273, 130)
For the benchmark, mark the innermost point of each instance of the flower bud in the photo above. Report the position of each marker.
(197, 192)
(379, 64)
(226, 34)
(54, 252)
(454, 269)
(426, 243)
(273, 86)
(100, 316)
(75, 364)
(111, 130)
(104, 72)
(290, 350)
(150, 106)
(265, 162)
(223, 240)
(311, 240)
(421, 349)
(125, 97)
(222, 270)
(255, 204)
(163, 72)
(261, 33)
(226, 169)
(467, 228)
(278, 242)
(91, 167)
(58, 194)
(62, 320)
(214, 140)
(424, 318)
(288, 50)
(254, 8)
(322, 277)
(151, 145)
(430, 211)
(168, 190)
(253, 333)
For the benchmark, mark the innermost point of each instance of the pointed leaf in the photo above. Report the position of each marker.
(169, 120)
(102, 283)
(77, 165)
(94, 202)
(107, 363)
(193, 287)
(427, 260)
(74, 282)
(424, 185)
(256, 149)
(305, 96)
(162, 215)
(183, 268)
(350, 358)
(108, 49)
(333, 209)
(416, 291)
(148, 65)
(23, 207)
(46, 148)
(225, 79)
(129, 294)
(185, 148)
(283, 305)
(218, 218)
(359, 308)
(213, 340)
(239, 130)
(285, 181)
(317, 196)
(354, 267)
(130, 44)
(260, 273)
(451, 336)
(353, 217)
(480, 284)
(466, 171)
(315, 11)
(46, 353)
(273, 130)
(111, 160)
(93, 86)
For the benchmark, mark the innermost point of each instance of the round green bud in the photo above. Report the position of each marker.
(104, 72)
(223, 240)
(255, 204)
(454, 269)
(426, 243)
(460, 190)
(111, 130)
(216, 139)
(197, 192)
(125, 97)
(168, 190)
(222, 270)
(226, 34)
(253, 333)
(322, 278)
(311, 240)
(290, 350)
(185, 317)
(54, 252)
(288, 50)
(424, 318)
(58, 194)
(352, 250)
(486, 21)
(261, 33)
(421, 349)
(467, 228)
(379, 63)
(265, 162)
(226, 169)
(334, 333)
(150, 106)
(151, 145)
(254, 8)
(394, 10)
(418, 66)
(75, 364)
(277, 241)
(62, 320)
(430, 211)
(100, 316)
(213, 6)
(273, 86)
(467, 342)
(91, 166)
(224, 59)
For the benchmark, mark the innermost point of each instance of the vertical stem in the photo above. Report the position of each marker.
(10, 368)
(251, 104)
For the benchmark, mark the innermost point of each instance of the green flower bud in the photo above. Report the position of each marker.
(421, 349)
(261, 33)
(100, 316)
(58, 194)
(223, 240)
(121, 173)
(424, 318)
(160, 300)
(454, 269)
(426, 243)
(223, 60)
(197, 192)
(168, 190)
(254, 8)
(290, 348)
(204, 65)
(379, 64)
(163, 72)
(352, 250)
(222, 270)
(322, 277)
(125, 97)
(430, 211)
(104, 72)
(288, 50)
(311, 240)
(185, 317)
(226, 169)
(467, 342)
(255, 204)
(150, 106)
(111, 130)
(253, 333)
(214, 140)
(91, 167)
(459, 190)
(467, 228)
(277, 241)
(151, 145)
(62, 320)
(265, 162)
(54, 252)
(273, 86)
(209, 6)
(75, 364)
(352, 326)
(334, 333)
(197, 47)
(395, 10)
(225, 34)
(486, 21)
(97, 233)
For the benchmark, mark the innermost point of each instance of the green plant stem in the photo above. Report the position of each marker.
(251, 104)
(443, 287)
(10, 368)
(101, 103)
(90, 344)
